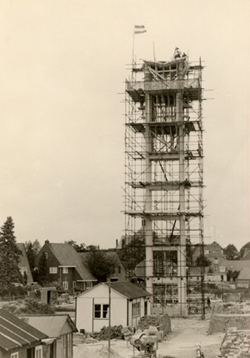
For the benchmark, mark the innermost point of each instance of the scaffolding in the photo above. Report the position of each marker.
(164, 178)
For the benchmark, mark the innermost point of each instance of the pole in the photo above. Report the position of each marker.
(109, 321)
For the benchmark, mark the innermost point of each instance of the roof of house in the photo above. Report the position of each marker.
(244, 274)
(15, 333)
(246, 255)
(67, 256)
(214, 250)
(24, 261)
(237, 265)
(128, 289)
(52, 325)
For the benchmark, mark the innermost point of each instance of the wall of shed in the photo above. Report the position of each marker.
(100, 295)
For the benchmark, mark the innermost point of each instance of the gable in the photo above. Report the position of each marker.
(52, 325)
(66, 255)
(24, 263)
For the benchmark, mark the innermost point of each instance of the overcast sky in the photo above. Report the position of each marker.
(62, 70)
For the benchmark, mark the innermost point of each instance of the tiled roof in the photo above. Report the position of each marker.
(24, 261)
(237, 264)
(15, 333)
(52, 325)
(67, 256)
(128, 289)
(244, 274)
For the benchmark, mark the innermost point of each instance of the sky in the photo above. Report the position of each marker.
(63, 64)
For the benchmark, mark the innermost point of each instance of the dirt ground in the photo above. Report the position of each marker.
(180, 343)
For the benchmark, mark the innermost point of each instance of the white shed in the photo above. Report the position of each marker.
(128, 304)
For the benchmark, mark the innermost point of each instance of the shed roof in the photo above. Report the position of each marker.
(15, 333)
(52, 325)
(67, 256)
(128, 289)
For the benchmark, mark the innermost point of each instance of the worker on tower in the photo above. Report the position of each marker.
(177, 53)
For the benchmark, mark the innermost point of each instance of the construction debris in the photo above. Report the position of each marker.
(221, 322)
(236, 343)
(162, 322)
(104, 334)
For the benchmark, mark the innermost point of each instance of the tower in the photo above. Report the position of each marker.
(164, 175)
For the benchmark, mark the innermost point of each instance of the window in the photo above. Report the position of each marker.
(53, 270)
(38, 352)
(206, 252)
(101, 311)
(65, 285)
(14, 355)
(88, 284)
(216, 260)
(136, 309)
(46, 255)
(65, 270)
(222, 268)
(74, 283)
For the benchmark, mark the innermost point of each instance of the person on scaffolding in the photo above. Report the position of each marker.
(177, 53)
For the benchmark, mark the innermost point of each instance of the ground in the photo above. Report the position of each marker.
(180, 343)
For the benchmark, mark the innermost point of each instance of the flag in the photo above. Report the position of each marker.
(139, 29)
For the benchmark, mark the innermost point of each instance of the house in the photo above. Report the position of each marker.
(214, 253)
(59, 329)
(128, 304)
(65, 265)
(118, 270)
(19, 339)
(24, 263)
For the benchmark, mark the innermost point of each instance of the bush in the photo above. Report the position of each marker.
(28, 306)
(17, 291)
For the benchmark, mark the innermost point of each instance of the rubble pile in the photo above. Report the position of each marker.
(231, 308)
(103, 335)
(236, 343)
(221, 322)
(162, 322)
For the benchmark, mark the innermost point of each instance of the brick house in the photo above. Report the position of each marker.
(65, 265)
(214, 253)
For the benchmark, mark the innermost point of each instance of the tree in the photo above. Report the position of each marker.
(232, 275)
(9, 256)
(242, 250)
(30, 255)
(202, 261)
(42, 270)
(100, 265)
(36, 247)
(25, 278)
(78, 248)
(230, 252)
